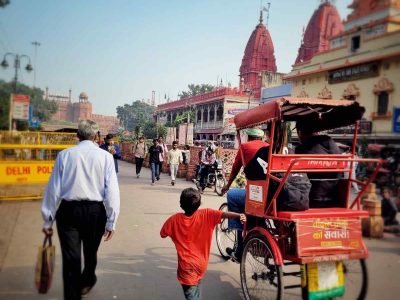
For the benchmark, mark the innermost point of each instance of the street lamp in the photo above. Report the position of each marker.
(17, 63)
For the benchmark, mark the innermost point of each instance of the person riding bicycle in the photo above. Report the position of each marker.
(206, 162)
(251, 156)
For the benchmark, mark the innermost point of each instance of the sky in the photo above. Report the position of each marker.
(120, 51)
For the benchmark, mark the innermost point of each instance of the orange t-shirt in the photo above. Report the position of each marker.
(192, 237)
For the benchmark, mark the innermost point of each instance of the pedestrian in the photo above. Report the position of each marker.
(155, 151)
(113, 148)
(389, 209)
(174, 159)
(186, 154)
(84, 187)
(163, 154)
(139, 151)
(192, 233)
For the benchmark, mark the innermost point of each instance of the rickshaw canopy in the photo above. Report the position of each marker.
(321, 114)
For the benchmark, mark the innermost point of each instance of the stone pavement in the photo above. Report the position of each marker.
(137, 263)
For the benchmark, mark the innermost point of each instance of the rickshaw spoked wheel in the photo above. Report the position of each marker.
(260, 276)
(224, 236)
(355, 278)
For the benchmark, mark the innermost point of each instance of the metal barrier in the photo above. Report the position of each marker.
(26, 161)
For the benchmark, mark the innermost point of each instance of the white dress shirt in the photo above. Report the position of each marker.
(83, 172)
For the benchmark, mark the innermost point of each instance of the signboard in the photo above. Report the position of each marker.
(171, 135)
(20, 106)
(33, 121)
(354, 72)
(396, 119)
(186, 134)
(331, 236)
(25, 172)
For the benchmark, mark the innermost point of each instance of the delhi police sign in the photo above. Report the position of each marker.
(25, 172)
(396, 119)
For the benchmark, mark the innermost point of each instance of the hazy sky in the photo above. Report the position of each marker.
(119, 51)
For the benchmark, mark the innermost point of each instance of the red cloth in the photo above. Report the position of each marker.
(249, 150)
(192, 237)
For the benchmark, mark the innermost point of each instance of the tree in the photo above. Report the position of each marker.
(3, 3)
(183, 118)
(153, 130)
(42, 109)
(134, 116)
(196, 89)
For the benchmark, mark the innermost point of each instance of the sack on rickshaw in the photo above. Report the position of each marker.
(294, 195)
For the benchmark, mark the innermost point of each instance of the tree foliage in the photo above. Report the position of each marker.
(42, 109)
(134, 116)
(4, 3)
(153, 130)
(196, 89)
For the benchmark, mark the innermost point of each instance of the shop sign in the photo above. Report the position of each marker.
(354, 72)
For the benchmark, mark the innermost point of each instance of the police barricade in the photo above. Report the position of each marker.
(26, 161)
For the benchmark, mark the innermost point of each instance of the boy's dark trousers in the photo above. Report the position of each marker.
(79, 222)
(139, 164)
(191, 292)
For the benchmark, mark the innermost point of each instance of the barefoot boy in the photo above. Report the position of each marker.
(192, 233)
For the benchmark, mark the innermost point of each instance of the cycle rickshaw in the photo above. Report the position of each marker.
(325, 242)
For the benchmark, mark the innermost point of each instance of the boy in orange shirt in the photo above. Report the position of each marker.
(192, 233)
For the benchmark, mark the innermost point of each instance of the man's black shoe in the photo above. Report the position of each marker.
(85, 290)
(232, 253)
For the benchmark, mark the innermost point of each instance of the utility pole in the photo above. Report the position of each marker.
(36, 44)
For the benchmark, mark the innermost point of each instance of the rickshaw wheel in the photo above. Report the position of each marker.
(355, 278)
(260, 276)
(220, 182)
(224, 236)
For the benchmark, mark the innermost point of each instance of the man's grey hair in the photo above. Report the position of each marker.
(87, 129)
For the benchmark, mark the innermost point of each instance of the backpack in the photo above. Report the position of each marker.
(294, 195)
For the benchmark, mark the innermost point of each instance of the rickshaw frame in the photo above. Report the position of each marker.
(323, 115)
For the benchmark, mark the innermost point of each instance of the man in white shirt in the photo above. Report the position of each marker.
(83, 197)
(174, 159)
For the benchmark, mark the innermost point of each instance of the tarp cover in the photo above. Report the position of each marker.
(321, 114)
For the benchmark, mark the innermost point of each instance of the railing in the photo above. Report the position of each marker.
(26, 161)
(209, 125)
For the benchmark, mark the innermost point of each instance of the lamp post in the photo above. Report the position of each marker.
(17, 64)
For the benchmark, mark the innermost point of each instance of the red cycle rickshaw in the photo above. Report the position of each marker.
(326, 242)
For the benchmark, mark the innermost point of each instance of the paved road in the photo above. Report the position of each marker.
(137, 263)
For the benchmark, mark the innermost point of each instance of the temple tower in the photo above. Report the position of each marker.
(258, 56)
(324, 24)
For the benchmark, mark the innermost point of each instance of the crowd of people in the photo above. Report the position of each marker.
(83, 198)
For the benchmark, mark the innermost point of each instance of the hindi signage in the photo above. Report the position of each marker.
(20, 104)
(354, 72)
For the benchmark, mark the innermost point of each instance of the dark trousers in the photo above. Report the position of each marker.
(79, 223)
(160, 164)
(191, 292)
(139, 164)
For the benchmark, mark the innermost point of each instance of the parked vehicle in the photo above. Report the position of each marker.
(215, 178)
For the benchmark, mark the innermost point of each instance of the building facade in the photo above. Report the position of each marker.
(213, 111)
(69, 113)
(361, 64)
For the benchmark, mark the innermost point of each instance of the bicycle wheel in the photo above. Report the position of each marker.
(220, 182)
(260, 276)
(224, 236)
(355, 279)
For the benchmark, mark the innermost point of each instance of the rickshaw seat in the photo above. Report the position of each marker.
(323, 213)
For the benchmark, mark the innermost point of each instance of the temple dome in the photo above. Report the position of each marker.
(324, 24)
(258, 56)
(83, 95)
